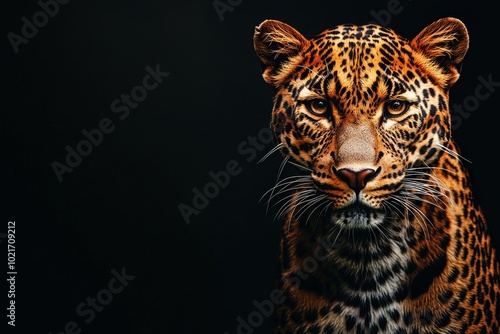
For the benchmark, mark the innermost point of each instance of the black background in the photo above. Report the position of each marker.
(119, 207)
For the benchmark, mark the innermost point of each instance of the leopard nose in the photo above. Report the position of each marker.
(356, 180)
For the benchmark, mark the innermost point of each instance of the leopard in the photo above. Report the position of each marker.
(380, 230)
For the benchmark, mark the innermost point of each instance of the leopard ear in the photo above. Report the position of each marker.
(445, 42)
(278, 46)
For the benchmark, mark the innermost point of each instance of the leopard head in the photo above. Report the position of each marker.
(363, 110)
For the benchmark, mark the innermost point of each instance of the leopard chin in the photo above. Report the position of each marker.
(357, 215)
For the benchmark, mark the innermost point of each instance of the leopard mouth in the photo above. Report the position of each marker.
(357, 215)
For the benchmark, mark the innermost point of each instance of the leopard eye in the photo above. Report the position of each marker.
(317, 107)
(395, 108)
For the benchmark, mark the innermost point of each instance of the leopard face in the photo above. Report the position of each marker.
(362, 109)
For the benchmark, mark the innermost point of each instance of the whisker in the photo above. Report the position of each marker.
(322, 202)
(419, 216)
(300, 166)
(285, 184)
(454, 154)
(289, 198)
(307, 204)
(421, 183)
(280, 170)
(273, 150)
(413, 196)
(417, 213)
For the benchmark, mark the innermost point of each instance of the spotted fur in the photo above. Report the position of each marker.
(381, 234)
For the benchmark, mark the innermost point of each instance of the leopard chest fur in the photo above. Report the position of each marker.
(370, 283)
(341, 285)
(367, 282)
